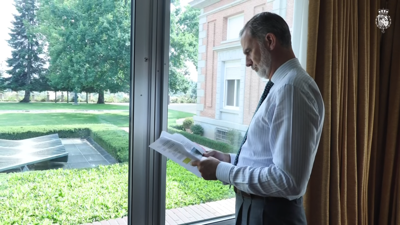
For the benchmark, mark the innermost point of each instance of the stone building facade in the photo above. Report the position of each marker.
(228, 91)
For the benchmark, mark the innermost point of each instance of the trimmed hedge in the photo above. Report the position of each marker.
(197, 129)
(114, 140)
(73, 196)
(217, 145)
(64, 131)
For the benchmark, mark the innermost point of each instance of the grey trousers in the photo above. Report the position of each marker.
(269, 211)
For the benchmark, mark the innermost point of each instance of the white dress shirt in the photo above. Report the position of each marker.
(282, 139)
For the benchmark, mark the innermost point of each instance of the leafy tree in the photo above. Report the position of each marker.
(1, 74)
(193, 91)
(183, 44)
(27, 62)
(89, 45)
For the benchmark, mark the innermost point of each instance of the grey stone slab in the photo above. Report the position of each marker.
(20, 153)
(71, 147)
(30, 152)
(94, 157)
(73, 151)
(76, 159)
(88, 151)
(48, 165)
(30, 146)
(71, 141)
(98, 163)
(17, 158)
(79, 165)
(110, 159)
(28, 141)
(102, 152)
(84, 146)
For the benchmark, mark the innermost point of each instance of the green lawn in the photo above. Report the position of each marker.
(33, 119)
(173, 115)
(61, 106)
(118, 118)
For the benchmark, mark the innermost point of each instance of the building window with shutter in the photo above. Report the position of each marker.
(234, 24)
(232, 84)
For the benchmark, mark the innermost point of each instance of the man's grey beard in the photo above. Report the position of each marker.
(265, 63)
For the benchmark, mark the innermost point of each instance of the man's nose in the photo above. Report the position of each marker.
(249, 62)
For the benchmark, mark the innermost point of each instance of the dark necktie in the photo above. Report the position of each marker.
(263, 96)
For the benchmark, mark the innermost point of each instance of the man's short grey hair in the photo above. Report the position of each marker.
(266, 22)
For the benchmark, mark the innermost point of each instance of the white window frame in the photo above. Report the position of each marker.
(235, 95)
(237, 78)
(228, 22)
(300, 31)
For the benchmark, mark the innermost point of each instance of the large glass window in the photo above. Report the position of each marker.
(213, 103)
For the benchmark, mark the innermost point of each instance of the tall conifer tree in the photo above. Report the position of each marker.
(26, 63)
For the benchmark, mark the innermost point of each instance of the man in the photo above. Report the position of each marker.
(272, 168)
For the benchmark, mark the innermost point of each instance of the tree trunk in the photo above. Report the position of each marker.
(75, 98)
(87, 100)
(67, 96)
(100, 100)
(26, 98)
(55, 96)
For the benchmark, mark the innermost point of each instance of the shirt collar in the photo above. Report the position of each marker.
(284, 69)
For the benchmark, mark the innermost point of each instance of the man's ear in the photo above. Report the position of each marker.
(270, 41)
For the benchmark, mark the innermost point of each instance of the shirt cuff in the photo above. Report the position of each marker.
(223, 172)
(233, 157)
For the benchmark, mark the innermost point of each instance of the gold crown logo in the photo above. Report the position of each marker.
(383, 11)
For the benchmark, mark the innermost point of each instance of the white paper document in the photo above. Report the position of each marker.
(180, 150)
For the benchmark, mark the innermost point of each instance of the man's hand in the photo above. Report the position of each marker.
(224, 157)
(207, 167)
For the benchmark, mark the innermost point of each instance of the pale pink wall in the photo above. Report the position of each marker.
(216, 33)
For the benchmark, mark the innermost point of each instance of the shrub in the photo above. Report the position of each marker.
(173, 100)
(187, 123)
(182, 99)
(110, 98)
(197, 129)
(125, 99)
(178, 127)
(234, 137)
(11, 98)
